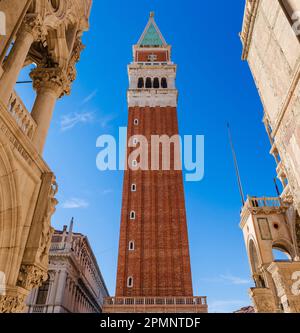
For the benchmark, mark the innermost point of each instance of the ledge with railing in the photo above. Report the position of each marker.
(263, 202)
(263, 205)
(198, 303)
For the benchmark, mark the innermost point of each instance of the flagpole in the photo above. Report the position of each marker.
(236, 167)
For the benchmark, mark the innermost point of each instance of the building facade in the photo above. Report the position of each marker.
(154, 273)
(271, 46)
(48, 34)
(75, 283)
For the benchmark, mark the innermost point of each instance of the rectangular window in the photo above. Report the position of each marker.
(42, 294)
(133, 187)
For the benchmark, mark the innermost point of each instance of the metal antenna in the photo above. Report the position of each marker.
(236, 166)
(21, 82)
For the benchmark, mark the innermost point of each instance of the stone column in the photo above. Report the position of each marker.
(50, 84)
(60, 289)
(30, 31)
(263, 300)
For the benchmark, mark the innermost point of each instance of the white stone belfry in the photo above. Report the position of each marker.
(152, 69)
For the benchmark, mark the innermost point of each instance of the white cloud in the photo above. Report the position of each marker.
(226, 306)
(75, 203)
(107, 191)
(105, 120)
(89, 97)
(235, 279)
(72, 119)
(228, 278)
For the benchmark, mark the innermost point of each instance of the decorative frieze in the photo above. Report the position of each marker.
(152, 97)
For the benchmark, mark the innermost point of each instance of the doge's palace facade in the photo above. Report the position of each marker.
(48, 34)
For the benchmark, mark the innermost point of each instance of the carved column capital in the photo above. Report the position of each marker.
(53, 79)
(75, 57)
(34, 25)
(12, 304)
(31, 276)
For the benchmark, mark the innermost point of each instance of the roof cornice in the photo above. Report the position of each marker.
(250, 14)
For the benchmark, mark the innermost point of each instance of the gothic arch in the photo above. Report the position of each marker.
(10, 215)
(253, 256)
(284, 246)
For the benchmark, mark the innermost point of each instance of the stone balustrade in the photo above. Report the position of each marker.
(199, 300)
(21, 116)
(197, 304)
(262, 202)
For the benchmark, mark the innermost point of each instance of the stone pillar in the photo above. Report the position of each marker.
(263, 300)
(50, 84)
(286, 276)
(30, 31)
(61, 287)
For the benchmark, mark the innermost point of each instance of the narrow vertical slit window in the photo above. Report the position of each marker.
(130, 282)
(131, 246)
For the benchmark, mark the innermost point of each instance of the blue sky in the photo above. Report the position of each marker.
(215, 86)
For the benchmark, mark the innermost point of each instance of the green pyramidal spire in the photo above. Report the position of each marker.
(152, 37)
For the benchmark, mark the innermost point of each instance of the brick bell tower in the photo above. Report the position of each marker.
(154, 273)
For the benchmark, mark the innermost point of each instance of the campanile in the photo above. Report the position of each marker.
(154, 273)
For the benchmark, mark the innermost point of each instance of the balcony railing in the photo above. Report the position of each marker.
(57, 246)
(199, 300)
(264, 202)
(21, 116)
(38, 309)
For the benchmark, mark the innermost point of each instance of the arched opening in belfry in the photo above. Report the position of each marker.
(281, 253)
(140, 83)
(148, 83)
(156, 83)
(164, 83)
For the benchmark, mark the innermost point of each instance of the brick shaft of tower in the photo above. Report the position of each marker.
(153, 249)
